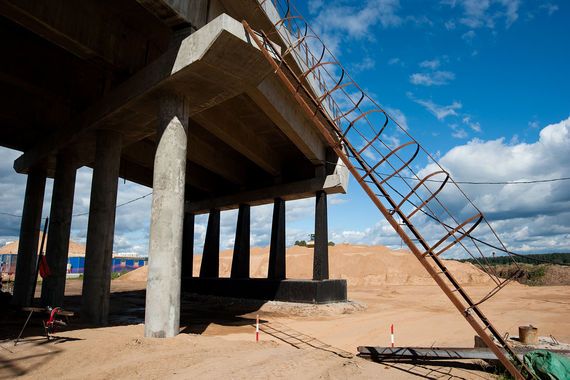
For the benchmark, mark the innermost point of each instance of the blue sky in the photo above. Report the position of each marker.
(483, 85)
(493, 73)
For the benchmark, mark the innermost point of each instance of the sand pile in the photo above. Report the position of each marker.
(135, 275)
(359, 265)
(75, 249)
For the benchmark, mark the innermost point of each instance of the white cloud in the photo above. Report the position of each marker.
(132, 220)
(550, 8)
(449, 25)
(430, 64)
(473, 125)
(340, 22)
(439, 111)
(533, 124)
(511, 11)
(394, 61)
(399, 116)
(486, 13)
(436, 78)
(458, 132)
(469, 35)
(366, 64)
(381, 233)
(530, 216)
(356, 21)
(315, 5)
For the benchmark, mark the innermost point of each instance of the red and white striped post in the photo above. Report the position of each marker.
(392, 334)
(257, 328)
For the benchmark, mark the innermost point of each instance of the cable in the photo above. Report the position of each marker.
(471, 182)
(526, 257)
(509, 182)
(87, 213)
(119, 205)
(8, 214)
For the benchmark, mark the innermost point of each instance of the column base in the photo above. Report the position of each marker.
(302, 291)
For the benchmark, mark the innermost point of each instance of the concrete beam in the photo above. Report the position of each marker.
(101, 229)
(281, 107)
(136, 173)
(94, 30)
(210, 66)
(29, 238)
(227, 126)
(188, 245)
(213, 155)
(331, 184)
(178, 13)
(210, 266)
(240, 260)
(162, 312)
(57, 247)
(277, 270)
(321, 251)
(138, 159)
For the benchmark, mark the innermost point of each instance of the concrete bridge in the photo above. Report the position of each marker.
(173, 95)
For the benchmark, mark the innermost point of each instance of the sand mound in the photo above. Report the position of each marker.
(359, 265)
(135, 275)
(75, 249)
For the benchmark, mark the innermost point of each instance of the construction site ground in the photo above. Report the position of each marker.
(218, 335)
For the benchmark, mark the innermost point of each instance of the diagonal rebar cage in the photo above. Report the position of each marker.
(416, 195)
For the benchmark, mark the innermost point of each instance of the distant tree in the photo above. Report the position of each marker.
(301, 243)
(331, 243)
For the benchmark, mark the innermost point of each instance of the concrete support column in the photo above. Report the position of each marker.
(240, 261)
(188, 245)
(321, 255)
(277, 270)
(57, 247)
(29, 237)
(210, 267)
(162, 312)
(101, 228)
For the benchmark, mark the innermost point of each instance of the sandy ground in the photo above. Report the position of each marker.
(217, 339)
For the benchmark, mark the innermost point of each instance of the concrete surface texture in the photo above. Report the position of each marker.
(29, 237)
(165, 254)
(101, 228)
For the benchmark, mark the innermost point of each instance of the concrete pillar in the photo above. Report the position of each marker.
(188, 245)
(277, 249)
(162, 313)
(321, 255)
(240, 261)
(101, 228)
(57, 246)
(210, 267)
(29, 237)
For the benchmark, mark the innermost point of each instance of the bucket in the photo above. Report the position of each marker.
(528, 334)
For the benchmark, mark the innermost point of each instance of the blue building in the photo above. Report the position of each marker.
(124, 262)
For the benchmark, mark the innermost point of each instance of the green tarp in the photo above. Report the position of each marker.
(548, 365)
